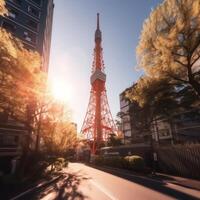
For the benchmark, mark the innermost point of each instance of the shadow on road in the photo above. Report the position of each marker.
(68, 188)
(191, 184)
(159, 186)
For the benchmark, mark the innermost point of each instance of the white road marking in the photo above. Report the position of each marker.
(103, 190)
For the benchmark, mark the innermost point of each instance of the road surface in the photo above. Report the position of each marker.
(84, 182)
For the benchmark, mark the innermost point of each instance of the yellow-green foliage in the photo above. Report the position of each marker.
(19, 75)
(169, 44)
(3, 9)
(135, 162)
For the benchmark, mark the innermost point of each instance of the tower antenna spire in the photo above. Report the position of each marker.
(97, 21)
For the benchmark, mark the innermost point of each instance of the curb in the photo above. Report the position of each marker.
(182, 181)
(148, 177)
(124, 172)
(38, 187)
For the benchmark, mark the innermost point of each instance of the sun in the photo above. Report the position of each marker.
(61, 91)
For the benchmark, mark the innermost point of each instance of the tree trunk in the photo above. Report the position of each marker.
(37, 145)
(195, 85)
(171, 123)
(157, 131)
(192, 81)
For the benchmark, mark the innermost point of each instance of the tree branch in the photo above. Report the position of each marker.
(178, 61)
(177, 54)
(195, 60)
(178, 79)
(196, 46)
(196, 73)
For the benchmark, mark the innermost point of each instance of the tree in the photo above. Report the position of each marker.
(114, 140)
(22, 83)
(19, 72)
(154, 92)
(58, 134)
(3, 9)
(24, 95)
(159, 99)
(169, 45)
(118, 120)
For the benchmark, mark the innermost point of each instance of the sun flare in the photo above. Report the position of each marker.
(61, 91)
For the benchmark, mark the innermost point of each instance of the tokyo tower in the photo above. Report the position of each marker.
(98, 123)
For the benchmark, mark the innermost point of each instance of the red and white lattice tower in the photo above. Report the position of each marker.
(98, 123)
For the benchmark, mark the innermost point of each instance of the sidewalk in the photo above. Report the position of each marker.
(186, 182)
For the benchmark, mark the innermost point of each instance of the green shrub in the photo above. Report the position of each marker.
(114, 161)
(98, 160)
(58, 166)
(135, 163)
(125, 164)
(61, 160)
(66, 163)
(60, 163)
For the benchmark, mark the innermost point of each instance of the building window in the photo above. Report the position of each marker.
(12, 14)
(32, 24)
(18, 2)
(127, 126)
(38, 2)
(8, 26)
(30, 37)
(127, 133)
(29, 46)
(10, 140)
(34, 11)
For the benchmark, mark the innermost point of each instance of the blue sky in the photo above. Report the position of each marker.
(73, 42)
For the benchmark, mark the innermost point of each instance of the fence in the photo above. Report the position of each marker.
(183, 160)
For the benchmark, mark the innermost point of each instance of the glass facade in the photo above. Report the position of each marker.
(31, 22)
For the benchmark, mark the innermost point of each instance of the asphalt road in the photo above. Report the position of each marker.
(84, 182)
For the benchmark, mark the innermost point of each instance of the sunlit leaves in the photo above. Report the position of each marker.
(24, 95)
(58, 133)
(3, 9)
(169, 45)
(19, 75)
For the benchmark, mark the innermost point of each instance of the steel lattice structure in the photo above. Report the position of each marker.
(98, 122)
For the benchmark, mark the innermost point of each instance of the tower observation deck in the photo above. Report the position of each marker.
(98, 123)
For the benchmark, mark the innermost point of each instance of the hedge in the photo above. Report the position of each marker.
(135, 163)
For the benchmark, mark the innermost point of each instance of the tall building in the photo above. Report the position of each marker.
(31, 22)
(130, 118)
(137, 126)
(182, 127)
(125, 118)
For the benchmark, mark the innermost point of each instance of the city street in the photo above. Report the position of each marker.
(130, 122)
(83, 182)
